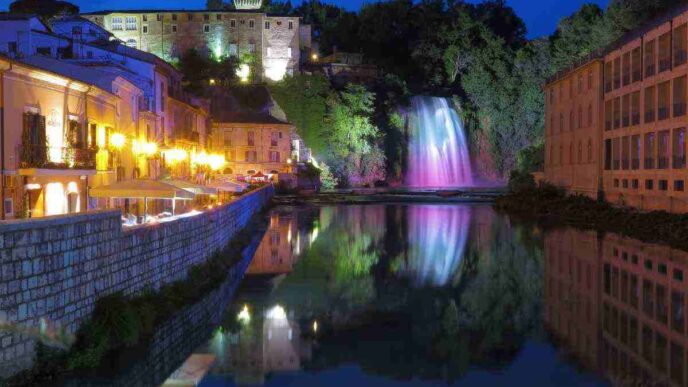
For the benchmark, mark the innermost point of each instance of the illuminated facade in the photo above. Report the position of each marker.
(273, 40)
(639, 120)
(252, 143)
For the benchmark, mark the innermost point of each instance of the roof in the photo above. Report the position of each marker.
(153, 10)
(247, 117)
(141, 188)
(100, 79)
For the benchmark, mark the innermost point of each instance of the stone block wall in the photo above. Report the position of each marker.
(52, 270)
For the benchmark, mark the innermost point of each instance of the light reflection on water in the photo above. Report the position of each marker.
(402, 295)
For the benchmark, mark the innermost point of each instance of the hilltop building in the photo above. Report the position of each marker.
(616, 122)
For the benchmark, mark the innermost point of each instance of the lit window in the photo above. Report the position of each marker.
(131, 23)
(131, 43)
(116, 24)
(233, 49)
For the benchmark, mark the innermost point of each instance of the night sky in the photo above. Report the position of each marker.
(541, 16)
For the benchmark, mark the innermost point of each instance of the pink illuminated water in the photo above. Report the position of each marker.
(438, 150)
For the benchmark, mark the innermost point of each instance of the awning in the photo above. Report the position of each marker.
(141, 188)
(226, 185)
(194, 188)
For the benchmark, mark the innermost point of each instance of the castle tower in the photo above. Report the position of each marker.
(248, 4)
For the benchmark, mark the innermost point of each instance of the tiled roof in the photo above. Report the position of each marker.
(246, 117)
(100, 79)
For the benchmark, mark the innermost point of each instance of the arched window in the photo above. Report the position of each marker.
(561, 155)
(590, 115)
(131, 43)
(228, 171)
(551, 125)
(590, 150)
(580, 152)
(580, 117)
(561, 122)
(572, 118)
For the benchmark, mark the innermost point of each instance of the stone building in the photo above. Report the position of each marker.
(274, 40)
(252, 143)
(642, 125)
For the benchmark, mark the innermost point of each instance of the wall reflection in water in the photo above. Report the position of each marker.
(618, 305)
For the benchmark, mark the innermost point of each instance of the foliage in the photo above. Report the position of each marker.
(520, 181)
(531, 159)
(327, 180)
(44, 8)
(198, 70)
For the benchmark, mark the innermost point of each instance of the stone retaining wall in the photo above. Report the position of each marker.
(52, 270)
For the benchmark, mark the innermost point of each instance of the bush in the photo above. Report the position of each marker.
(521, 181)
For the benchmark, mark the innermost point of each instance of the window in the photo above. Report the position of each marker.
(251, 48)
(616, 155)
(291, 25)
(232, 23)
(650, 58)
(650, 104)
(608, 114)
(189, 16)
(227, 138)
(662, 185)
(131, 43)
(206, 28)
(218, 17)
(590, 115)
(679, 148)
(251, 156)
(144, 18)
(635, 152)
(607, 154)
(635, 108)
(680, 96)
(206, 17)
(636, 65)
(174, 17)
(649, 184)
(617, 113)
(650, 151)
(131, 23)
(663, 101)
(589, 151)
(158, 17)
(626, 69)
(251, 137)
(233, 49)
(608, 77)
(663, 150)
(251, 23)
(680, 45)
(144, 29)
(267, 25)
(626, 110)
(174, 28)
(664, 52)
(617, 73)
(274, 138)
(274, 157)
(116, 24)
(678, 185)
(634, 184)
(625, 157)
(9, 207)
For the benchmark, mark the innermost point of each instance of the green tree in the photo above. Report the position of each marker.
(45, 8)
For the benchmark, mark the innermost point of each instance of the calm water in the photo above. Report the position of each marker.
(434, 295)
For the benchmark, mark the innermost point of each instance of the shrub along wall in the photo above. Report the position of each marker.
(52, 270)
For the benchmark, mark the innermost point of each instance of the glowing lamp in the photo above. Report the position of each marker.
(216, 162)
(175, 155)
(315, 326)
(117, 140)
(314, 57)
(244, 316)
(243, 72)
(289, 161)
(149, 148)
(212, 82)
(277, 313)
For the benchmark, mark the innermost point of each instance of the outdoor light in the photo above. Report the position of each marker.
(175, 155)
(277, 313)
(243, 72)
(146, 148)
(289, 161)
(244, 316)
(32, 186)
(315, 326)
(212, 82)
(117, 140)
(314, 57)
(216, 162)
(276, 70)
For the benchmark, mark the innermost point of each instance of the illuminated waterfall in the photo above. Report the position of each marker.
(438, 151)
(437, 237)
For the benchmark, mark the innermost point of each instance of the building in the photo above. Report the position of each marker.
(642, 124)
(252, 143)
(274, 40)
(342, 68)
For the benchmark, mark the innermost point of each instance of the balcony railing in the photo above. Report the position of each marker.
(626, 121)
(664, 64)
(679, 162)
(679, 109)
(663, 113)
(680, 57)
(637, 75)
(650, 116)
(635, 164)
(45, 157)
(649, 163)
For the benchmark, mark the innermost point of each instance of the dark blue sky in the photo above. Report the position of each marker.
(541, 16)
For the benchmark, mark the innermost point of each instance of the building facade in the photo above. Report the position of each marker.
(253, 143)
(273, 40)
(642, 119)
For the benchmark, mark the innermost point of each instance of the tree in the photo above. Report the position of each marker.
(45, 8)
(214, 4)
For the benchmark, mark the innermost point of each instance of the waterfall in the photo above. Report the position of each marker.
(438, 151)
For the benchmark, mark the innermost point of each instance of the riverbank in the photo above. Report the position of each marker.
(551, 206)
(393, 195)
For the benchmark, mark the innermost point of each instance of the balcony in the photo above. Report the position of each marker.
(635, 163)
(680, 57)
(637, 75)
(679, 162)
(649, 163)
(663, 113)
(625, 121)
(625, 164)
(679, 109)
(45, 157)
(664, 64)
(650, 116)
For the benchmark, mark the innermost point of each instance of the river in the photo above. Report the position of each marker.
(436, 295)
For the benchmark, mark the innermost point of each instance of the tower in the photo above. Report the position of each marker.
(248, 4)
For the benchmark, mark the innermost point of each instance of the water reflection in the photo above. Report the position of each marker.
(618, 306)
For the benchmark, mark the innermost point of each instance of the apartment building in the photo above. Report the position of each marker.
(252, 143)
(644, 119)
(274, 40)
